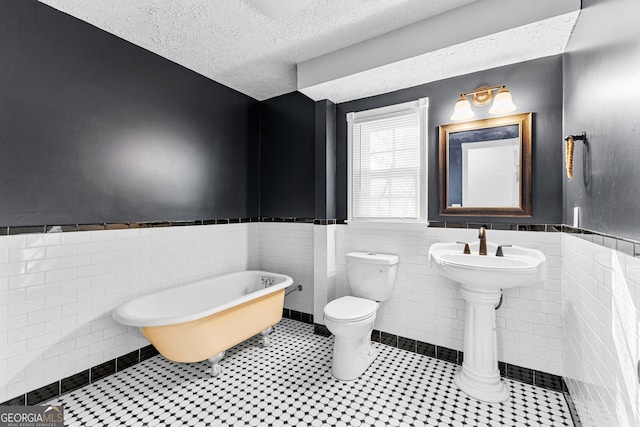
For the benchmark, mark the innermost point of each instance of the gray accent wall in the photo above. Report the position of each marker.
(601, 97)
(536, 87)
(94, 129)
(325, 159)
(287, 156)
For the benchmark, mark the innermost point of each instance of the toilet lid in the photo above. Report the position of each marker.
(349, 308)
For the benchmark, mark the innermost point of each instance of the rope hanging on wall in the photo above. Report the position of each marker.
(568, 151)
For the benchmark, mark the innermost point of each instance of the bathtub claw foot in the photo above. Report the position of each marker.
(215, 369)
(266, 340)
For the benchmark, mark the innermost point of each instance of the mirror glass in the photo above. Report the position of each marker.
(485, 167)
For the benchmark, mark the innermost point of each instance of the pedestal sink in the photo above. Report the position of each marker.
(482, 278)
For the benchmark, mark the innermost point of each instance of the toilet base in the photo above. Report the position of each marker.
(352, 349)
(351, 358)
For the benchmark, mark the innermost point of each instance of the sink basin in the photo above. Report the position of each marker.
(518, 267)
(482, 278)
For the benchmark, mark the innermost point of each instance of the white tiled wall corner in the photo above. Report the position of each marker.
(287, 248)
(601, 321)
(57, 291)
(428, 307)
(324, 268)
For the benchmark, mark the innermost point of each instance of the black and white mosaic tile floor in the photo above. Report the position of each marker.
(289, 384)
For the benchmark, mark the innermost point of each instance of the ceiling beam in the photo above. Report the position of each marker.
(472, 21)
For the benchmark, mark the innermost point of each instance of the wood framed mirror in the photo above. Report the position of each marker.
(485, 167)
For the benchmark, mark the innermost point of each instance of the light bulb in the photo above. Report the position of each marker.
(462, 109)
(503, 103)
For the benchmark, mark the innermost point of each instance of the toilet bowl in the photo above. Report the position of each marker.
(351, 318)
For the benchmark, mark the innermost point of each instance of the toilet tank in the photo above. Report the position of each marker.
(372, 276)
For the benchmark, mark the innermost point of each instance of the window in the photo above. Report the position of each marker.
(387, 176)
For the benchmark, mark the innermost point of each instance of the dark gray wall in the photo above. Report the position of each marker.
(287, 156)
(536, 87)
(325, 139)
(602, 84)
(95, 129)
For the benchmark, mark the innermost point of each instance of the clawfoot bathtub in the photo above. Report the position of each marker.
(201, 320)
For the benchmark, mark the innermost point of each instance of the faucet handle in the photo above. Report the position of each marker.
(499, 251)
(466, 247)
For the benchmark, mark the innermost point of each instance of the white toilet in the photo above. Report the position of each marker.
(351, 318)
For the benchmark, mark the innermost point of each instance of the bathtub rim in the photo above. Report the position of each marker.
(121, 315)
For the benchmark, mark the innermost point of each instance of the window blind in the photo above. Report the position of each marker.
(386, 167)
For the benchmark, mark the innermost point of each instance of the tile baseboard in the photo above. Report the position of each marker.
(81, 379)
(110, 367)
(507, 370)
(297, 315)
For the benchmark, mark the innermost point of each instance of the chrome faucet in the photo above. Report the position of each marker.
(483, 241)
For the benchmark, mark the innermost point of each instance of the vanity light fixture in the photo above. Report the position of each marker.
(502, 104)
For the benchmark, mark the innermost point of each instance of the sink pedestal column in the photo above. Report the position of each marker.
(480, 376)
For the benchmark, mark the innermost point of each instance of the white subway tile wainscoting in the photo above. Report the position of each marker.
(601, 324)
(428, 307)
(59, 289)
(581, 323)
(287, 248)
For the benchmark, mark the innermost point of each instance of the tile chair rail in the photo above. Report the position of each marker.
(630, 247)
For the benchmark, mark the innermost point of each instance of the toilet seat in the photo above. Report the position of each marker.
(350, 309)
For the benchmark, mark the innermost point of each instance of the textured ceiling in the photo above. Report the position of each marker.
(536, 40)
(234, 43)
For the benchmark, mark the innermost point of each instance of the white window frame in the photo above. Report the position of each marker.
(420, 106)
